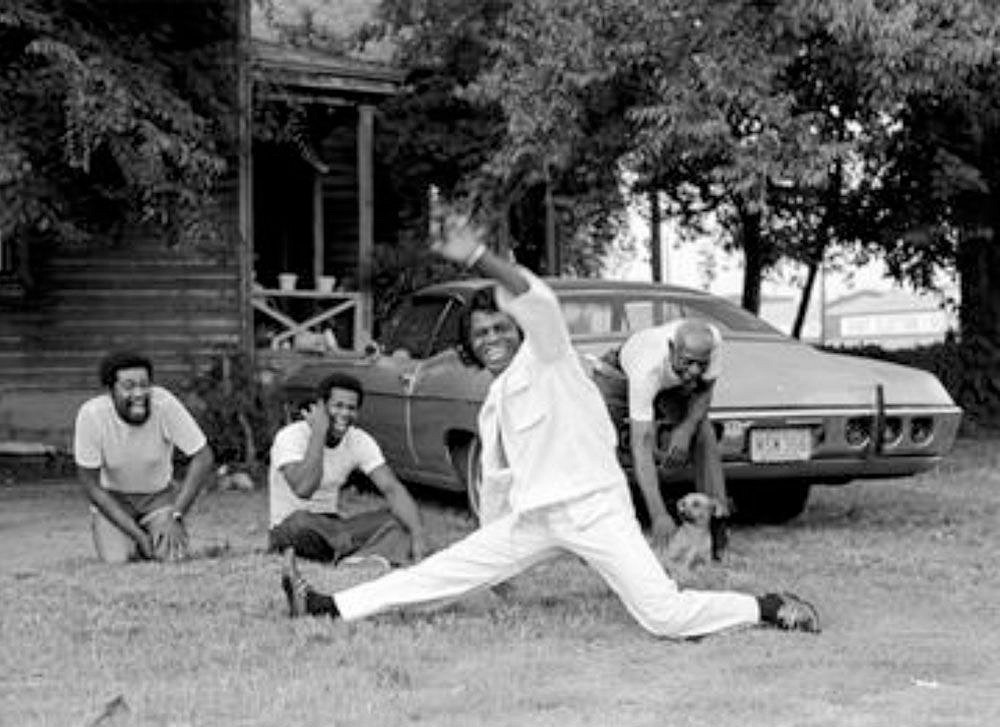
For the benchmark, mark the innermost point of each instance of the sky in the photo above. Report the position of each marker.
(687, 263)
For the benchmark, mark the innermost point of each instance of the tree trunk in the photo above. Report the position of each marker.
(553, 261)
(807, 289)
(754, 257)
(978, 262)
(655, 242)
(831, 217)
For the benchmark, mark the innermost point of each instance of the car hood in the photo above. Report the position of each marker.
(782, 373)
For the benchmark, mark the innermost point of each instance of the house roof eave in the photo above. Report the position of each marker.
(313, 70)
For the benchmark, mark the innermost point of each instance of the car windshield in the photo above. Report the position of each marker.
(411, 326)
(604, 315)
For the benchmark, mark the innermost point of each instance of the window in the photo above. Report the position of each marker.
(6, 255)
(726, 316)
(411, 326)
(584, 317)
(641, 314)
(608, 315)
(448, 330)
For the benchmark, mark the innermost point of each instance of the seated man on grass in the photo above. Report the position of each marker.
(311, 460)
(123, 445)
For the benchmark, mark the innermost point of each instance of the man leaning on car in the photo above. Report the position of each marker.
(672, 370)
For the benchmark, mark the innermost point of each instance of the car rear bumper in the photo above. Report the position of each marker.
(832, 471)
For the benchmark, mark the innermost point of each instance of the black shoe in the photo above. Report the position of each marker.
(294, 585)
(719, 528)
(795, 614)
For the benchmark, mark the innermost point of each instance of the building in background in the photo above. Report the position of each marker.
(861, 306)
(894, 318)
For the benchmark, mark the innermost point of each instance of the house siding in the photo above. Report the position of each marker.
(176, 305)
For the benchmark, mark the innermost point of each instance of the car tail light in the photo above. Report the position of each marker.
(858, 432)
(892, 431)
(720, 431)
(921, 430)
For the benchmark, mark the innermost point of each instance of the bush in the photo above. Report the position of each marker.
(969, 370)
(237, 412)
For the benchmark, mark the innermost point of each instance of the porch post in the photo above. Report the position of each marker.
(319, 243)
(366, 214)
(244, 109)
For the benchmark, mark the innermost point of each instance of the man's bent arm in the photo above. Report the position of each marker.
(305, 476)
(537, 314)
(400, 501)
(697, 409)
(197, 474)
(90, 478)
(505, 273)
(642, 436)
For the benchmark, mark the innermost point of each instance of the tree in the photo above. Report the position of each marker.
(930, 193)
(448, 129)
(702, 110)
(95, 132)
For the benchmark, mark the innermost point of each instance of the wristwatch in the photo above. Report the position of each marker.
(177, 516)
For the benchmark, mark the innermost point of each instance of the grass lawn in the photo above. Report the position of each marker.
(904, 572)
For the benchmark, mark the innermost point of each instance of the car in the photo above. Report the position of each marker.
(787, 415)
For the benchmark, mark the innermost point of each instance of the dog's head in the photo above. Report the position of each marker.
(698, 508)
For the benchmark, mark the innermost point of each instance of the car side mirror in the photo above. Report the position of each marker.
(373, 349)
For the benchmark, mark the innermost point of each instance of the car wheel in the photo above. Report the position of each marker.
(465, 460)
(771, 503)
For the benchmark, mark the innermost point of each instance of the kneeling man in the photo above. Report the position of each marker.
(123, 445)
(311, 460)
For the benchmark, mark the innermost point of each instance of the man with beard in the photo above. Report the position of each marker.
(123, 445)
(672, 370)
(311, 460)
(549, 454)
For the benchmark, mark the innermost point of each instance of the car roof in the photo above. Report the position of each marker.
(468, 286)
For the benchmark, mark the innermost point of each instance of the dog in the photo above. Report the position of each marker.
(691, 544)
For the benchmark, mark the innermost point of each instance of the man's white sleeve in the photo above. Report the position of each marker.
(538, 314)
(640, 362)
(183, 429)
(290, 445)
(368, 453)
(86, 440)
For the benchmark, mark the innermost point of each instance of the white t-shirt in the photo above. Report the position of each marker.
(645, 359)
(357, 450)
(135, 457)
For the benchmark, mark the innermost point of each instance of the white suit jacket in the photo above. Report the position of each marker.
(545, 430)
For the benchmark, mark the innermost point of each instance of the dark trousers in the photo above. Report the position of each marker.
(670, 407)
(331, 538)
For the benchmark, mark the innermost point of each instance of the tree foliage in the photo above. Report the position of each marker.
(111, 112)
(803, 125)
(444, 130)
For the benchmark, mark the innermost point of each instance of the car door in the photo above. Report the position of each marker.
(445, 398)
(404, 343)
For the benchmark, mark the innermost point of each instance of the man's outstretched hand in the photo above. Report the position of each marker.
(460, 240)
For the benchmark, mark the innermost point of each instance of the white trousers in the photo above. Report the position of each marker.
(600, 528)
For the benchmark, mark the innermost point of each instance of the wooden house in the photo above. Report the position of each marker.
(308, 209)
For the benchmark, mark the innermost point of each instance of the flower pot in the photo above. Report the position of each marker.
(287, 281)
(326, 283)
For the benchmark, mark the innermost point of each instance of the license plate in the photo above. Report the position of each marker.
(780, 445)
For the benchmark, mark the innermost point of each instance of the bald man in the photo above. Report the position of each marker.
(671, 372)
